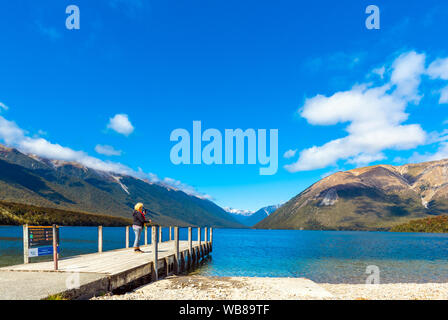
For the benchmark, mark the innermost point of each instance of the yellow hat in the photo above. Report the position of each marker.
(138, 206)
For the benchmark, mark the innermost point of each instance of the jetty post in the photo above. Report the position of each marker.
(190, 247)
(211, 239)
(100, 238)
(160, 234)
(146, 235)
(199, 254)
(171, 235)
(176, 249)
(55, 248)
(127, 237)
(154, 243)
(205, 240)
(26, 257)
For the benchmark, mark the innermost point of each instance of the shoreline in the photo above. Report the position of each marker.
(195, 287)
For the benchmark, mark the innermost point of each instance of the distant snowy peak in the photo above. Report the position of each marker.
(250, 218)
(240, 212)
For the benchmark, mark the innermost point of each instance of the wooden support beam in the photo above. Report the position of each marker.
(160, 234)
(55, 248)
(200, 243)
(171, 235)
(205, 241)
(211, 239)
(154, 243)
(127, 236)
(190, 247)
(167, 266)
(100, 238)
(26, 257)
(183, 261)
(176, 250)
(146, 235)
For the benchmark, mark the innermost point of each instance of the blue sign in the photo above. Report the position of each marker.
(41, 251)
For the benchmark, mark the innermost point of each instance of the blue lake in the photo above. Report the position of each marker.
(322, 256)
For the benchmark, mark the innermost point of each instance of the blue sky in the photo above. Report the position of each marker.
(160, 65)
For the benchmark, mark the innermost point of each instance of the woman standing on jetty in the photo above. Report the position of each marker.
(137, 226)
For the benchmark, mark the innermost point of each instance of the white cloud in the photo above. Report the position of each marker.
(41, 133)
(121, 124)
(184, 187)
(107, 150)
(289, 154)
(438, 69)
(441, 153)
(242, 212)
(10, 132)
(380, 71)
(364, 158)
(12, 135)
(407, 71)
(375, 117)
(444, 95)
(3, 106)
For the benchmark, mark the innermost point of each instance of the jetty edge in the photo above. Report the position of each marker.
(88, 275)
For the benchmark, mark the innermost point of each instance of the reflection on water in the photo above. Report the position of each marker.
(323, 256)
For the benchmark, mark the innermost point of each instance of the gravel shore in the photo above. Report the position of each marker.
(248, 288)
(389, 291)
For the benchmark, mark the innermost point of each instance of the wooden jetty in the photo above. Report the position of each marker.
(123, 267)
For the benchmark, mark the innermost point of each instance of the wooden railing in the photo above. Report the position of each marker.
(195, 253)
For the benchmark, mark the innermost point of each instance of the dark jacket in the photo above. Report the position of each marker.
(139, 219)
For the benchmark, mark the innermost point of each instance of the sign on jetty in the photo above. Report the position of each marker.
(40, 241)
(111, 270)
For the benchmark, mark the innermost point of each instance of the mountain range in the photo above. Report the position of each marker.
(37, 181)
(370, 198)
(249, 218)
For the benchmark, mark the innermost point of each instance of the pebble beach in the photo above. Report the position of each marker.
(252, 288)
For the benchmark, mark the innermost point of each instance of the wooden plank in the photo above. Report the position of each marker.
(112, 262)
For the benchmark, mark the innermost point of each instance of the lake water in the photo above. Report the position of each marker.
(322, 256)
